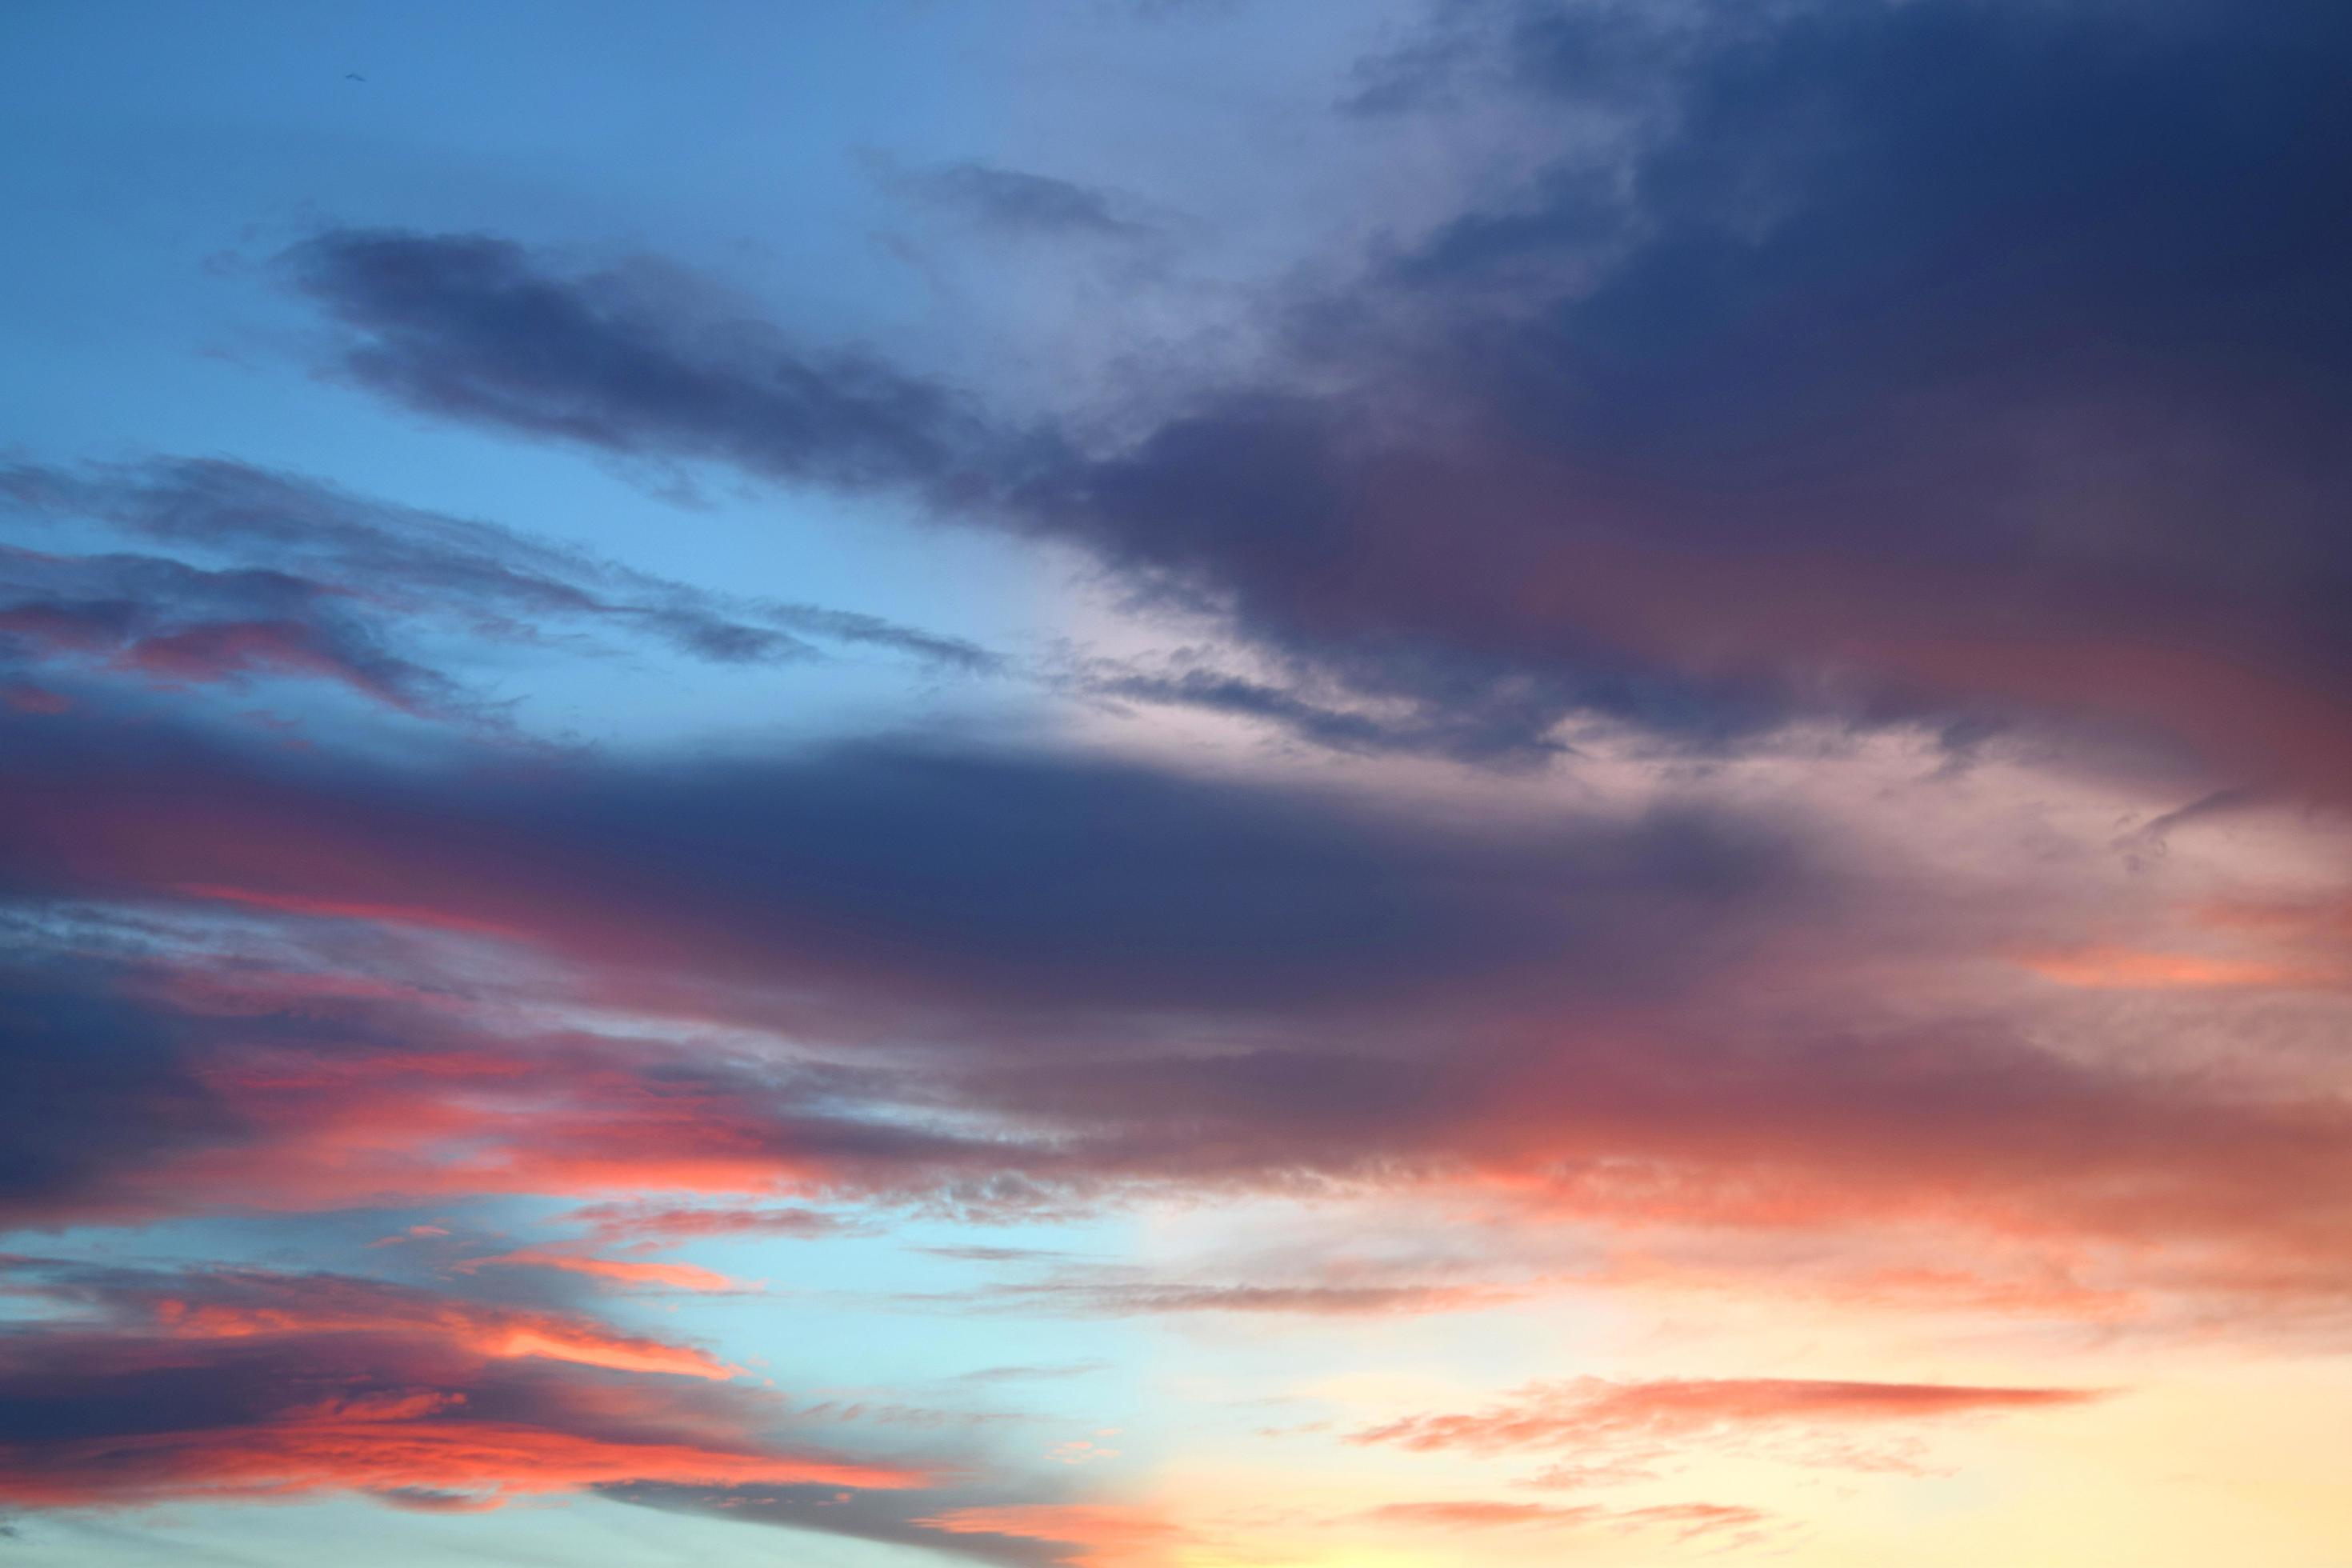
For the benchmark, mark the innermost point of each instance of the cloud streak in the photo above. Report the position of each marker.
(250, 1385)
(1594, 1411)
(275, 574)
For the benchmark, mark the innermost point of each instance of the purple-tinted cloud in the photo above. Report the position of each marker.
(1908, 361)
(274, 573)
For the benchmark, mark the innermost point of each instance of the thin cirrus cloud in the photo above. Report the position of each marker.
(624, 1272)
(976, 1523)
(168, 624)
(1090, 1535)
(1016, 203)
(275, 574)
(1594, 1414)
(1681, 1521)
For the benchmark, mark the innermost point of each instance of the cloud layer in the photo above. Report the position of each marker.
(1717, 737)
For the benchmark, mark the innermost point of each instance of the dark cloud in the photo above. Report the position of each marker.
(311, 580)
(1893, 361)
(90, 1079)
(1015, 202)
(1497, 730)
(1250, 503)
(2011, 322)
(1912, 355)
(1067, 981)
(171, 624)
(1054, 882)
(470, 328)
(893, 1520)
(188, 1080)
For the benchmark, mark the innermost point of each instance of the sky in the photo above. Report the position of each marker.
(1176, 783)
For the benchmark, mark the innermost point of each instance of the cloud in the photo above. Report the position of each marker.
(1772, 406)
(1090, 1535)
(1486, 733)
(1634, 1023)
(141, 1090)
(1014, 201)
(1021, 1373)
(610, 1270)
(1688, 1521)
(465, 327)
(1118, 1293)
(315, 582)
(1619, 1427)
(897, 1519)
(248, 1384)
(644, 1224)
(919, 863)
(171, 625)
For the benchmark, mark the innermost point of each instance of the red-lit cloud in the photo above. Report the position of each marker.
(1097, 1535)
(1687, 1521)
(250, 1384)
(610, 1270)
(1628, 1424)
(416, 1451)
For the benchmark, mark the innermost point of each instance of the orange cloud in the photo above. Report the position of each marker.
(254, 1384)
(246, 1304)
(2130, 969)
(388, 1450)
(1688, 1520)
(621, 1221)
(1100, 1535)
(677, 1276)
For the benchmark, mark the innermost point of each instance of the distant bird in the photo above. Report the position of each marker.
(353, 75)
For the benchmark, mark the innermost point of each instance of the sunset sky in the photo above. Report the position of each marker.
(1176, 783)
